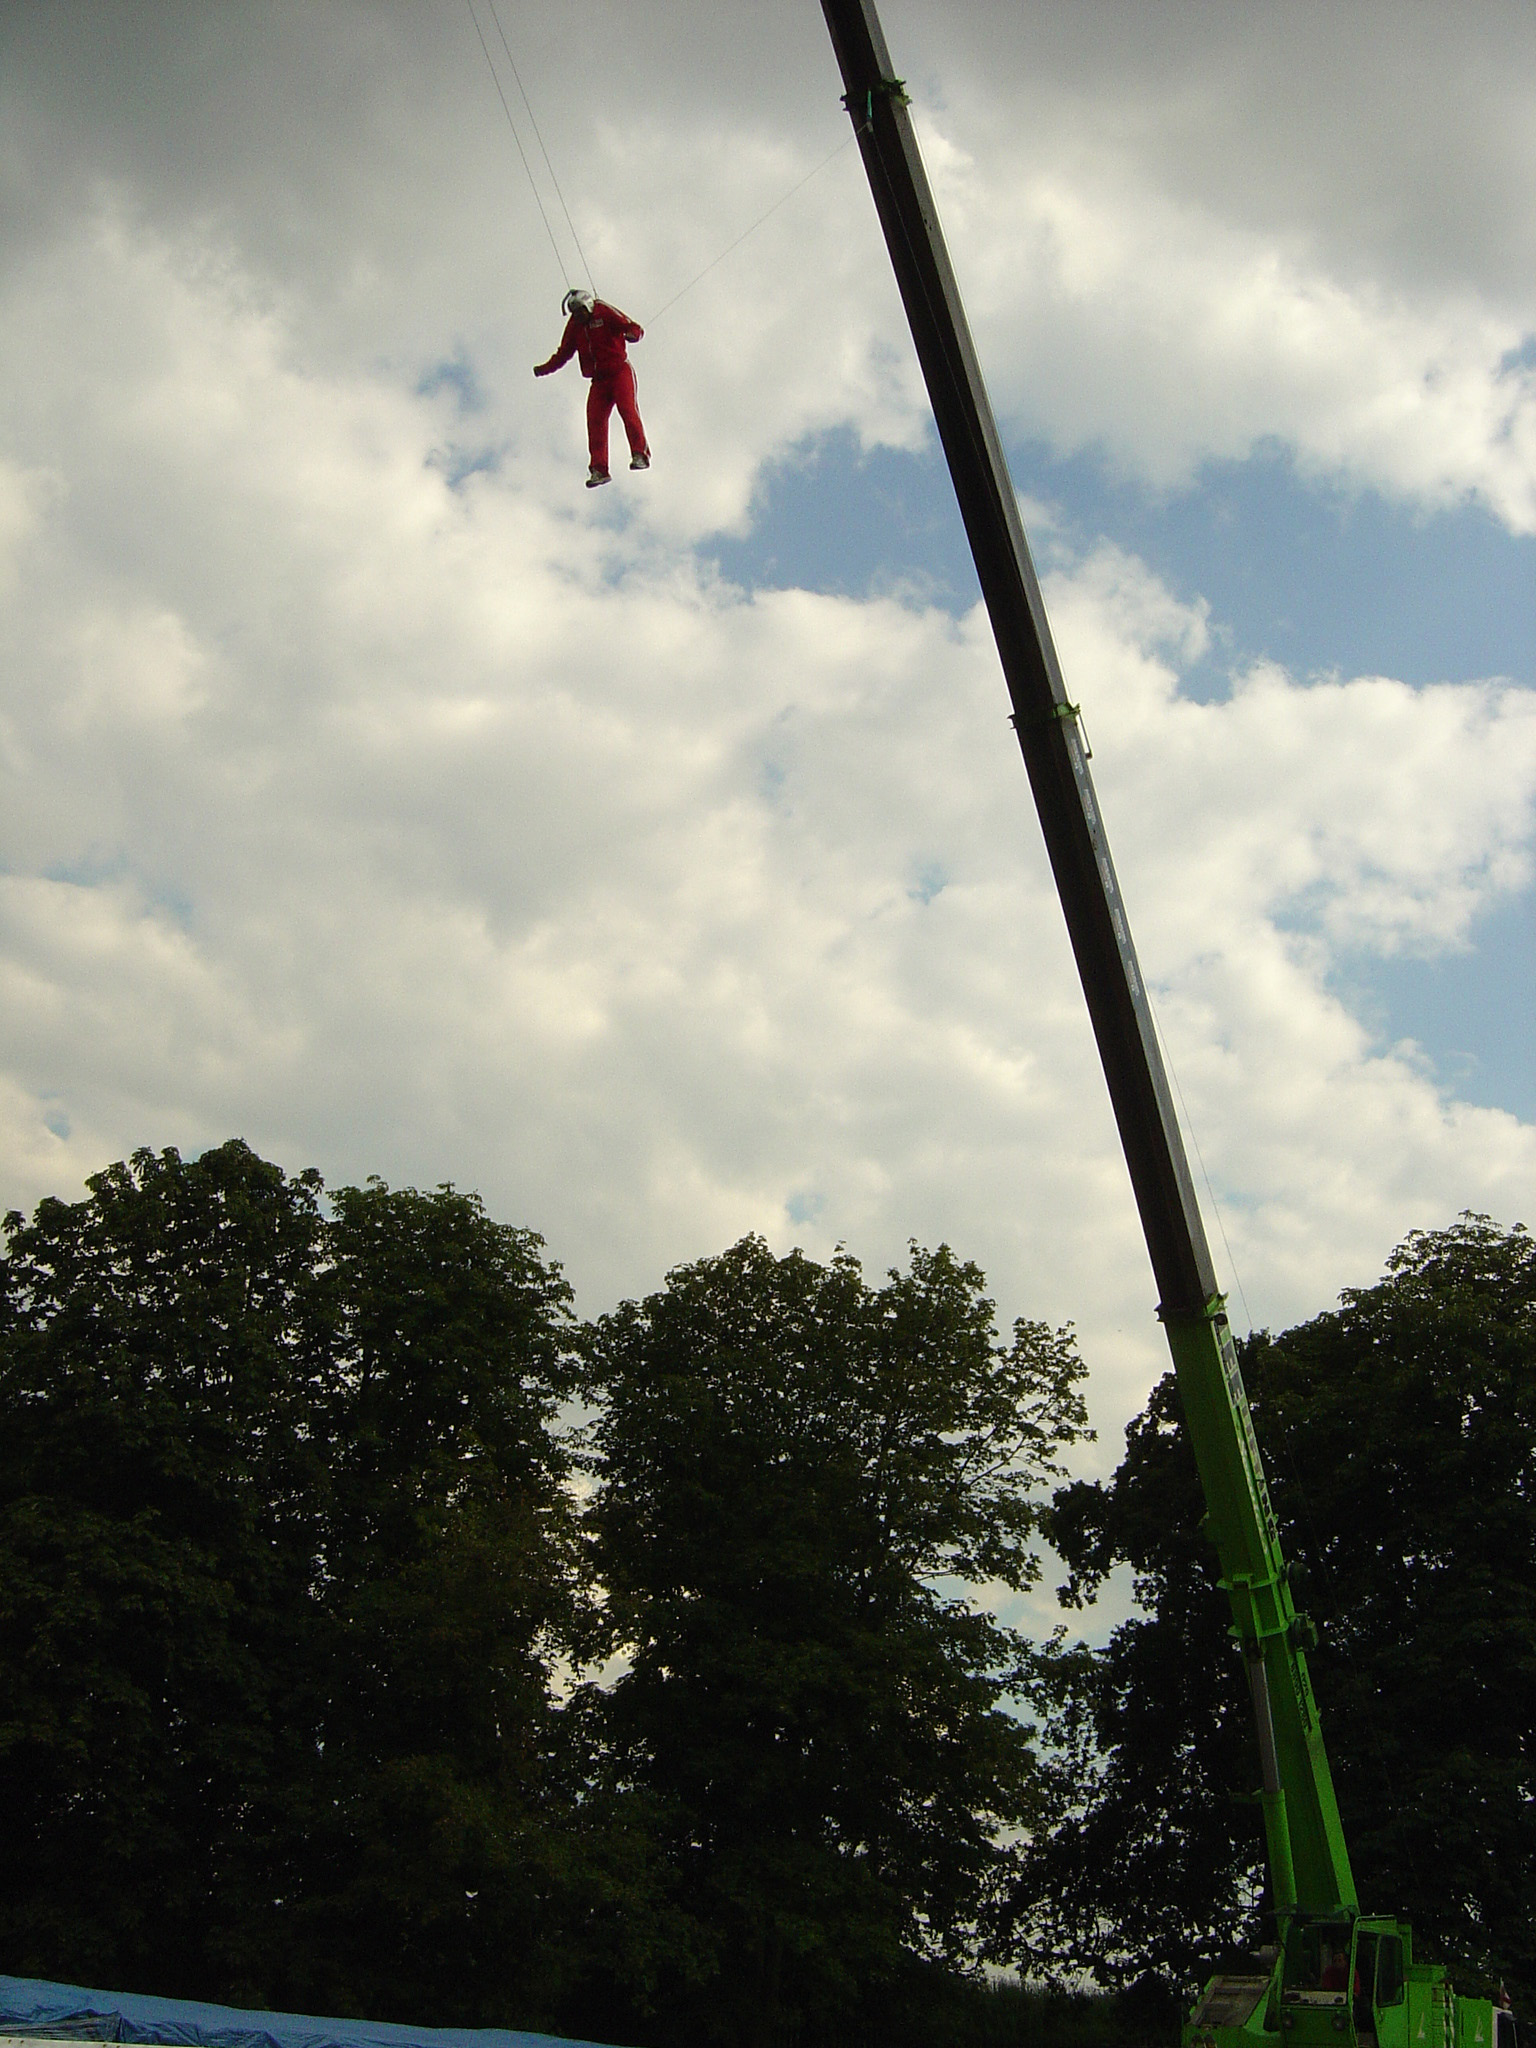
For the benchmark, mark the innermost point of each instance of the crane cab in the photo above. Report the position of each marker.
(1346, 1983)
(1357, 1979)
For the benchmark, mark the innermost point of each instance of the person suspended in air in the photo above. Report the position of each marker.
(597, 334)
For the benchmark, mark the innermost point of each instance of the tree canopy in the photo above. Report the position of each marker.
(285, 1557)
(376, 1638)
(1400, 1432)
(338, 1670)
(798, 1476)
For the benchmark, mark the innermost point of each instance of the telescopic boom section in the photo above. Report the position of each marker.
(1308, 1861)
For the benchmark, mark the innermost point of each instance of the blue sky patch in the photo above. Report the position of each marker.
(455, 373)
(1295, 570)
(1470, 1012)
(928, 882)
(459, 464)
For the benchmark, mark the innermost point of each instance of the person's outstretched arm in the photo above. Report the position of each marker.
(562, 354)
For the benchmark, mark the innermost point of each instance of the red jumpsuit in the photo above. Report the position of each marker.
(598, 343)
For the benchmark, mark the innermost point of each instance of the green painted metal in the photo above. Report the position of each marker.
(1309, 1862)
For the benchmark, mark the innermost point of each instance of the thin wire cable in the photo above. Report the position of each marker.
(1178, 1088)
(532, 186)
(548, 164)
(846, 143)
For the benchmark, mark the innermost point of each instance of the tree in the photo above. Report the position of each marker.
(1411, 1491)
(432, 1849)
(162, 1350)
(798, 1478)
(1150, 1864)
(1401, 1436)
(285, 1561)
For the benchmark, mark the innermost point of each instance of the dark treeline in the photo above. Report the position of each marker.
(1400, 1438)
(377, 1638)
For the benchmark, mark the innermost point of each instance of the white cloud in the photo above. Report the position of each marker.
(453, 834)
(1182, 234)
(1117, 314)
(1112, 312)
(1359, 849)
(24, 493)
(1261, 840)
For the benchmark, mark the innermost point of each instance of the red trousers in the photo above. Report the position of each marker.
(603, 394)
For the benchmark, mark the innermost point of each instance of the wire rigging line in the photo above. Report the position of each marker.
(559, 259)
(846, 143)
(548, 164)
(490, 65)
(1189, 1125)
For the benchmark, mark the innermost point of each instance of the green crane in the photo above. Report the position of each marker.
(1332, 1971)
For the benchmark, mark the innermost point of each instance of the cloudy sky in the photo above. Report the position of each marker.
(659, 861)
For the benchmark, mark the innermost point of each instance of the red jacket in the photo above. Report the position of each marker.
(597, 342)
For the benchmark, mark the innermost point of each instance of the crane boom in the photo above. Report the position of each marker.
(1308, 1860)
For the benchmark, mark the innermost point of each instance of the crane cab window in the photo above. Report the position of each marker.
(1389, 1971)
(1317, 1962)
(1362, 1987)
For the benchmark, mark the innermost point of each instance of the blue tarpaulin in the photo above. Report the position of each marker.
(68, 2012)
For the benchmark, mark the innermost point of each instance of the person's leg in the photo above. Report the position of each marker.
(629, 410)
(599, 405)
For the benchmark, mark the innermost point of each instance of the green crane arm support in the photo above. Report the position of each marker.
(1308, 1860)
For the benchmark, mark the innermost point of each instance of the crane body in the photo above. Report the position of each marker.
(1333, 1977)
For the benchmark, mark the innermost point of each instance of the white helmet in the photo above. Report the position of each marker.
(576, 298)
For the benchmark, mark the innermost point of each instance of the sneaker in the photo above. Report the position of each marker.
(640, 462)
(596, 477)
